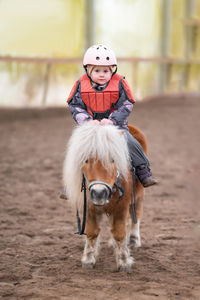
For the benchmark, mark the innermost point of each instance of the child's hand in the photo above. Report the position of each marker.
(94, 121)
(106, 121)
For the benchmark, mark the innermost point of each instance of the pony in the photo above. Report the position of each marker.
(98, 155)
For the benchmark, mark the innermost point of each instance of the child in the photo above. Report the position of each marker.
(101, 95)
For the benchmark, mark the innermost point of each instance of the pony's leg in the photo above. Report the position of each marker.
(135, 239)
(122, 253)
(91, 246)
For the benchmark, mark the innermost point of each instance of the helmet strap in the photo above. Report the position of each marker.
(114, 71)
(85, 67)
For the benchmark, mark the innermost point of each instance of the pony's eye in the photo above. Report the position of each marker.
(112, 161)
(86, 161)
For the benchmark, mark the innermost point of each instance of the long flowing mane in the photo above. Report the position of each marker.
(105, 142)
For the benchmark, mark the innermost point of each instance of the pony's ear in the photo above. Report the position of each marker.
(122, 132)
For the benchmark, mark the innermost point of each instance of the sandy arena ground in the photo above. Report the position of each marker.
(39, 252)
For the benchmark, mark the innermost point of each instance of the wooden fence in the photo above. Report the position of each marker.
(165, 65)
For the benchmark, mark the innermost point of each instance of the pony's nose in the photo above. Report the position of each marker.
(99, 194)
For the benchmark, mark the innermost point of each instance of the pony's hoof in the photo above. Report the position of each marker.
(126, 267)
(135, 241)
(88, 265)
(111, 243)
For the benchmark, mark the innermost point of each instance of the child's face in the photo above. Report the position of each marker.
(101, 74)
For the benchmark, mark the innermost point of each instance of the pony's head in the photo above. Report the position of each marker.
(100, 154)
(100, 180)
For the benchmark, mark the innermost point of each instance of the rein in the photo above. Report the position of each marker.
(81, 229)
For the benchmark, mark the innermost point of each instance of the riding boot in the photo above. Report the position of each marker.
(63, 194)
(145, 176)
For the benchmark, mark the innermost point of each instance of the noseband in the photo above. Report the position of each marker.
(90, 184)
(112, 189)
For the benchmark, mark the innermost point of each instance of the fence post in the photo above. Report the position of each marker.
(46, 83)
(135, 77)
(90, 24)
(165, 42)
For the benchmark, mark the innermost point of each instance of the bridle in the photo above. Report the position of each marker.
(112, 189)
(86, 184)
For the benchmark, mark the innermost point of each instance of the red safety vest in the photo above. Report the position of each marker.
(101, 102)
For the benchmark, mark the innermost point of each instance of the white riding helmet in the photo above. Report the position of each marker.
(99, 55)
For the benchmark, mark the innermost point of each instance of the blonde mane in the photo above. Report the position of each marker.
(106, 142)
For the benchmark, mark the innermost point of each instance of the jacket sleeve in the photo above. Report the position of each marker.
(78, 108)
(123, 108)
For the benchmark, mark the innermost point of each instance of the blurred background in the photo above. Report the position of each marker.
(157, 43)
(42, 43)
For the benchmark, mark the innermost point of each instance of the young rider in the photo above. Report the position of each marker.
(102, 95)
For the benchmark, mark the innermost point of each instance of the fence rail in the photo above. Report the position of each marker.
(45, 60)
(165, 64)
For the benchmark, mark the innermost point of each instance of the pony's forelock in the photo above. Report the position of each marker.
(105, 142)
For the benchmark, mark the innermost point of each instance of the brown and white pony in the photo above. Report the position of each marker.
(99, 153)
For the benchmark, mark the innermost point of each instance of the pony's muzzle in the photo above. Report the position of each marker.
(99, 194)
